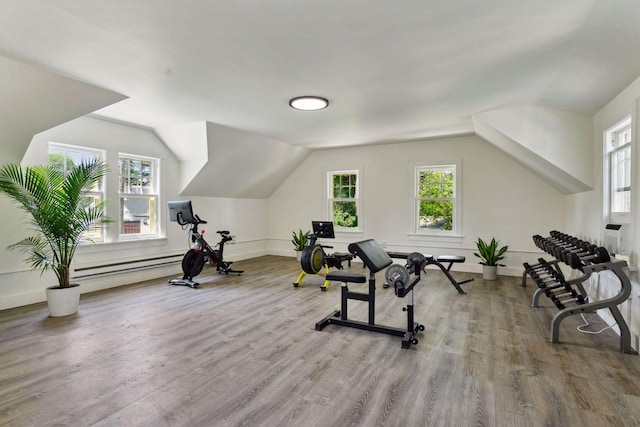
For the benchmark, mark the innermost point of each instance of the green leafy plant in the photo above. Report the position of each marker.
(489, 253)
(60, 211)
(300, 239)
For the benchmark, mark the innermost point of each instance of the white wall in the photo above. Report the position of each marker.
(586, 212)
(559, 137)
(586, 215)
(500, 198)
(244, 218)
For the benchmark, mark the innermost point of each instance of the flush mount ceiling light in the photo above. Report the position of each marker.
(308, 103)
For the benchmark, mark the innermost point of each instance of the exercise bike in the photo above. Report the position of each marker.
(201, 252)
(313, 257)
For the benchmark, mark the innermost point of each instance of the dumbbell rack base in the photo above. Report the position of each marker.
(611, 303)
(588, 259)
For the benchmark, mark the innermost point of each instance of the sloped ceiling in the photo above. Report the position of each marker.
(393, 71)
(554, 144)
(233, 163)
(33, 100)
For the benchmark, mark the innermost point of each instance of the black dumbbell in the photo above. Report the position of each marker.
(581, 251)
(599, 255)
(573, 297)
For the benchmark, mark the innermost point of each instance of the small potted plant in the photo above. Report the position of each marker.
(299, 240)
(490, 254)
(60, 211)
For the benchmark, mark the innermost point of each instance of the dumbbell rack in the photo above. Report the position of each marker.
(569, 295)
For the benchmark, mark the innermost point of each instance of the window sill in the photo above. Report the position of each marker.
(441, 238)
(131, 243)
(136, 238)
(348, 230)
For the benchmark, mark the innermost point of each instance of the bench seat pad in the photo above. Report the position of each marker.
(450, 258)
(346, 277)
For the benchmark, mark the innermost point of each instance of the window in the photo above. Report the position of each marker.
(618, 172)
(435, 199)
(64, 158)
(137, 192)
(138, 195)
(343, 191)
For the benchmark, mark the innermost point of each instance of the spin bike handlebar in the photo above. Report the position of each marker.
(198, 220)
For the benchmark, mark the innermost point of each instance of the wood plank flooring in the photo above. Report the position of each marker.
(242, 351)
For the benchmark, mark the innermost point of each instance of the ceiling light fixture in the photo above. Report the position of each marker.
(308, 103)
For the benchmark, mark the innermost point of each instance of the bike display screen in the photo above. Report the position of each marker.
(181, 212)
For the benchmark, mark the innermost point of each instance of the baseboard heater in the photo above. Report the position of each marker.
(126, 266)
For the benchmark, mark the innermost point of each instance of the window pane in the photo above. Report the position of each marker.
(57, 159)
(336, 186)
(122, 165)
(136, 176)
(435, 184)
(146, 178)
(65, 158)
(138, 196)
(345, 214)
(435, 198)
(436, 215)
(621, 180)
(447, 186)
(344, 186)
(137, 215)
(93, 232)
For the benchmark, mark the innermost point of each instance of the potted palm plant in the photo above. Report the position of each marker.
(60, 212)
(299, 240)
(490, 254)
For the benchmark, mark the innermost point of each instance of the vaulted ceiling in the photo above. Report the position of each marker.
(392, 71)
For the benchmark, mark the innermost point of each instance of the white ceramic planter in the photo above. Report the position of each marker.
(489, 272)
(63, 301)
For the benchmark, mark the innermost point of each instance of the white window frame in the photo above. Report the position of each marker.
(330, 199)
(153, 197)
(612, 146)
(456, 231)
(95, 235)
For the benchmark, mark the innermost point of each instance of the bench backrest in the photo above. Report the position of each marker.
(372, 254)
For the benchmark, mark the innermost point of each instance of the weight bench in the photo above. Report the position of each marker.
(375, 259)
(440, 263)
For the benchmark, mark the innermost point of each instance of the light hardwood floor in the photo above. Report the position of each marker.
(243, 351)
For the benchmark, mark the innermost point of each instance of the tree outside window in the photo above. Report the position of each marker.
(435, 198)
(343, 199)
(66, 157)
